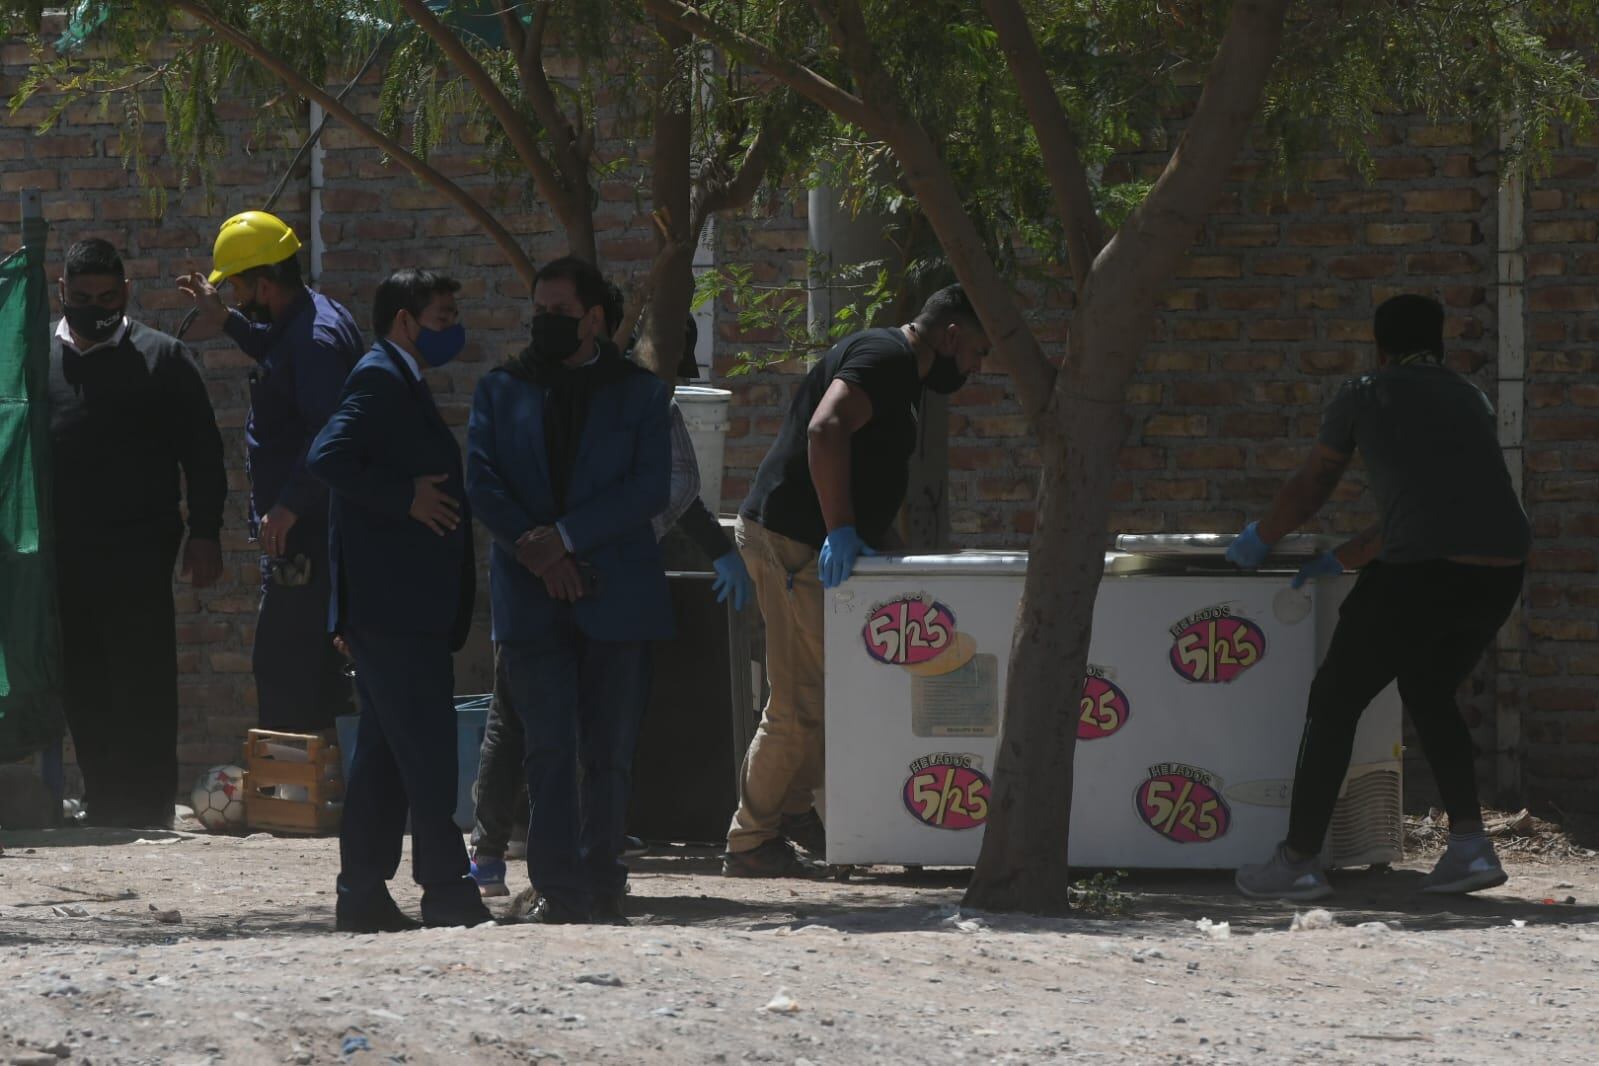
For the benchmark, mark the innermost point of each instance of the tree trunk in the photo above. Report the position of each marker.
(1023, 863)
(670, 289)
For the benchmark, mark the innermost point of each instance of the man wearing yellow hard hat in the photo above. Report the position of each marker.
(303, 345)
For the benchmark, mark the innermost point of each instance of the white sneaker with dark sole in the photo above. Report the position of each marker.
(1278, 878)
(1459, 874)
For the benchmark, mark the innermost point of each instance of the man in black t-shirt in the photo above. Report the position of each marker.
(827, 492)
(1442, 570)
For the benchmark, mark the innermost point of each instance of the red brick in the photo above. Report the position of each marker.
(57, 145)
(1546, 200)
(1442, 263)
(1141, 459)
(1404, 168)
(1287, 393)
(1563, 298)
(1210, 457)
(1192, 488)
(1441, 135)
(1565, 231)
(1441, 200)
(1546, 427)
(1253, 361)
(18, 180)
(1284, 266)
(1247, 235)
(1366, 201)
(1570, 560)
(1356, 267)
(1250, 299)
(1547, 264)
(1258, 425)
(1399, 233)
(1205, 329)
(1184, 300)
(1322, 234)
(1210, 266)
(1281, 329)
(1206, 393)
(1176, 426)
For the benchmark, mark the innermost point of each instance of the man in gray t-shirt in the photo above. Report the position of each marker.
(1440, 573)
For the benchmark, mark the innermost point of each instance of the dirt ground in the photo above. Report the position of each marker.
(96, 967)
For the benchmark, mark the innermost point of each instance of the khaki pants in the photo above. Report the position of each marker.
(782, 771)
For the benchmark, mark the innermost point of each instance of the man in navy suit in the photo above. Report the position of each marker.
(402, 599)
(569, 456)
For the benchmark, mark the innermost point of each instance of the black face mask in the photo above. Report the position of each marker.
(555, 338)
(93, 324)
(944, 376)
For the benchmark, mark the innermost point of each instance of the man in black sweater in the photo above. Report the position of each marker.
(128, 412)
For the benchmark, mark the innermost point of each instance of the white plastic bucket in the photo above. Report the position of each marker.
(705, 414)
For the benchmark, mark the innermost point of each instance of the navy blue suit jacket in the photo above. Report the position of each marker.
(392, 574)
(620, 478)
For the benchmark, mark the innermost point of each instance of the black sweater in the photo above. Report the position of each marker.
(124, 421)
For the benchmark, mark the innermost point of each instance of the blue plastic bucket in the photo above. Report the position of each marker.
(471, 719)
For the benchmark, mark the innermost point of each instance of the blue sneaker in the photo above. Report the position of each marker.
(489, 873)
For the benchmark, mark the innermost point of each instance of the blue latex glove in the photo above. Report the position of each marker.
(1324, 565)
(839, 552)
(733, 578)
(1248, 550)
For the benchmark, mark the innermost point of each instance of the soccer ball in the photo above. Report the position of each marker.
(218, 798)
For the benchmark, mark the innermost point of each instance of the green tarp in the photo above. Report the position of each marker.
(30, 644)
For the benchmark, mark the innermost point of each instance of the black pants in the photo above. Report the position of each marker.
(1426, 625)
(299, 676)
(499, 795)
(120, 656)
(404, 764)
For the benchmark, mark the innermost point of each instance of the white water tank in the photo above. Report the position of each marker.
(705, 412)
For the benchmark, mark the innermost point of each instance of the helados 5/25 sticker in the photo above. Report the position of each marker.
(948, 791)
(909, 631)
(1215, 645)
(1103, 709)
(1183, 803)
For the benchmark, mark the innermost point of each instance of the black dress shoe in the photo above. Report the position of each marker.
(455, 904)
(381, 915)
(552, 912)
(607, 910)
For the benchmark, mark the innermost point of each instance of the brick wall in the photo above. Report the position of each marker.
(1271, 312)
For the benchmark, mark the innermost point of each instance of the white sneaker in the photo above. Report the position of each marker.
(1466, 866)
(1278, 878)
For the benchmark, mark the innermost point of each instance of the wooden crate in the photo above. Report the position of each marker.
(311, 761)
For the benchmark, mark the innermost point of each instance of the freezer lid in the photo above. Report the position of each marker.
(988, 564)
(951, 564)
(1197, 547)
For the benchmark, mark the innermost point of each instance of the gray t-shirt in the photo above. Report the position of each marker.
(1431, 448)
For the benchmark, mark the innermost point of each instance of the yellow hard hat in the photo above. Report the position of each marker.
(251, 239)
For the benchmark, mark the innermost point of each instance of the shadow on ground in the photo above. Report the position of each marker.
(893, 899)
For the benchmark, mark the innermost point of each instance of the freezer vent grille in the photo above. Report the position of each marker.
(1367, 822)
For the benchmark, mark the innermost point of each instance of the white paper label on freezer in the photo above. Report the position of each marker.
(962, 703)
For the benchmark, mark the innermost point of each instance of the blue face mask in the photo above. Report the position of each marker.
(439, 346)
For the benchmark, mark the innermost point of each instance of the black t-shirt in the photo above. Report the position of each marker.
(783, 497)
(1431, 446)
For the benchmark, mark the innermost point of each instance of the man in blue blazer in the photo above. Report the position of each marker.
(568, 457)
(402, 599)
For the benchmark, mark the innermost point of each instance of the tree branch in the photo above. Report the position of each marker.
(569, 159)
(1149, 245)
(331, 104)
(1062, 157)
(796, 76)
(711, 199)
(516, 127)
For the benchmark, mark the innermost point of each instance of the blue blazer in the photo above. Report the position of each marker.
(391, 574)
(620, 478)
